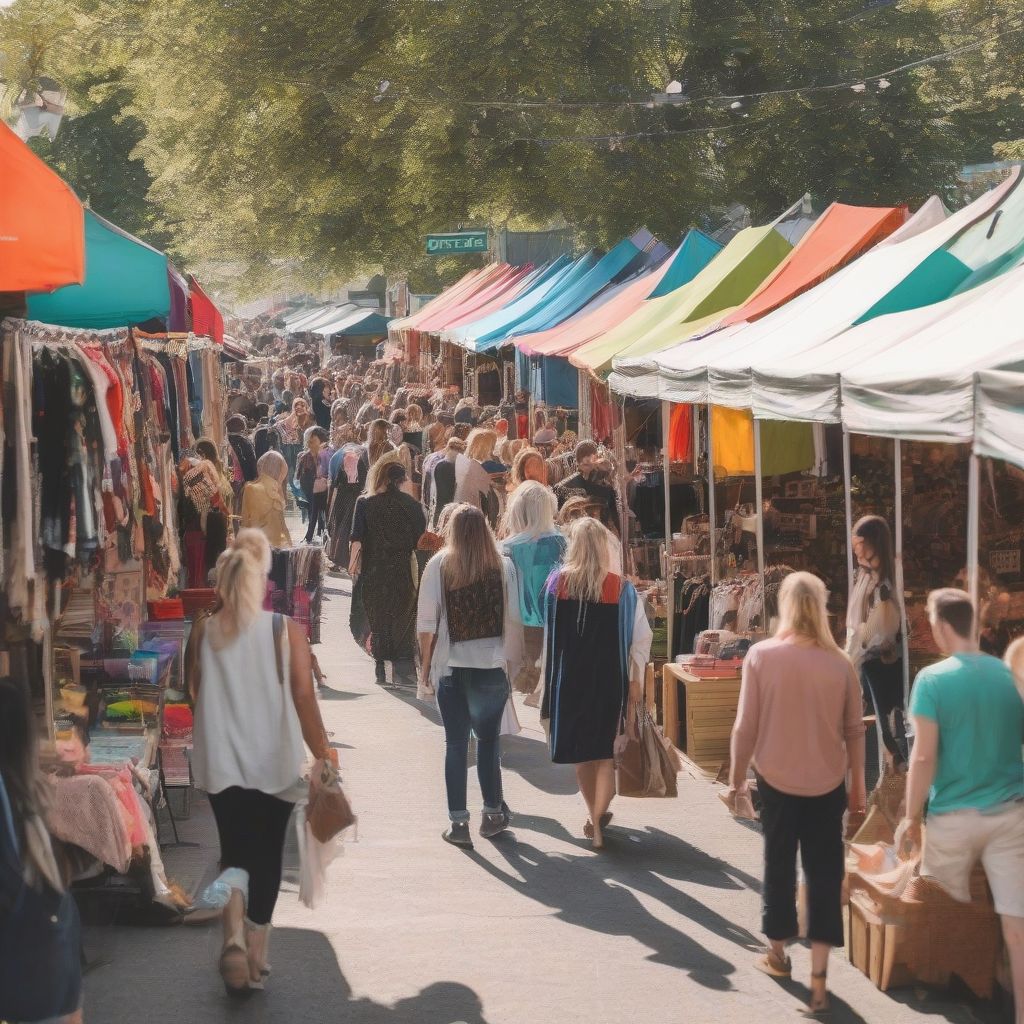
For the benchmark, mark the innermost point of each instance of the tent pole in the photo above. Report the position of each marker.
(711, 501)
(759, 498)
(974, 535)
(848, 503)
(666, 424)
(899, 583)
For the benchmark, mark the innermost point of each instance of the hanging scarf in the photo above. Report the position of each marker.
(201, 485)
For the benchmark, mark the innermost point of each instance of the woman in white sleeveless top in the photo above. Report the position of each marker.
(254, 706)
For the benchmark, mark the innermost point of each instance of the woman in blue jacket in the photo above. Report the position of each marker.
(536, 548)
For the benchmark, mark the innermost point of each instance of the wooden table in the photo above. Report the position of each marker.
(709, 716)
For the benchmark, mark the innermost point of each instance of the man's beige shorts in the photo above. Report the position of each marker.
(956, 841)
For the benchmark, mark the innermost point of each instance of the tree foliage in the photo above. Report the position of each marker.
(311, 140)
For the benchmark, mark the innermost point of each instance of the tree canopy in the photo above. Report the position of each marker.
(307, 141)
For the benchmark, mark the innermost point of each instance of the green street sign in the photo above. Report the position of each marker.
(457, 243)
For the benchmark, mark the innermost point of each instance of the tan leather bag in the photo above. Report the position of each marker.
(646, 768)
(328, 812)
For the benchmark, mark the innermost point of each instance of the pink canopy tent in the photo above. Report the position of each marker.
(595, 318)
(492, 296)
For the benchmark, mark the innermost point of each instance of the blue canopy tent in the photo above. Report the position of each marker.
(474, 336)
(630, 255)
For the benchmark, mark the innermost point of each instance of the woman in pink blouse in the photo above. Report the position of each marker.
(800, 724)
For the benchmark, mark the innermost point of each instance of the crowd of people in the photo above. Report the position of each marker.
(484, 549)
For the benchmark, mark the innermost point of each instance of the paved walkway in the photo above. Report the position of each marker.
(532, 927)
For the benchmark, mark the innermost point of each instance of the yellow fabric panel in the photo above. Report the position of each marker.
(786, 447)
(732, 441)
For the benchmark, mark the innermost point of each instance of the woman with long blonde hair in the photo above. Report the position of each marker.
(473, 482)
(596, 645)
(800, 723)
(251, 679)
(470, 641)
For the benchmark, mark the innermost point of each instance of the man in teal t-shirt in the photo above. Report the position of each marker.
(969, 727)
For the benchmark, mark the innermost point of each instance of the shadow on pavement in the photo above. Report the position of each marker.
(172, 977)
(842, 1012)
(530, 760)
(327, 693)
(584, 891)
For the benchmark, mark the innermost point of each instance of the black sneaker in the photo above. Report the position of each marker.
(493, 824)
(457, 834)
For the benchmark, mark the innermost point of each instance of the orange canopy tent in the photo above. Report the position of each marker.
(840, 235)
(42, 224)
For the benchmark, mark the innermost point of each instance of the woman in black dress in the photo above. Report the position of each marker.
(387, 525)
(596, 645)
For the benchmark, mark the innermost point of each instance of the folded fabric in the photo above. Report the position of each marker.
(85, 810)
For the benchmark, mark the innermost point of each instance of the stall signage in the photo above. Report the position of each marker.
(457, 243)
(1005, 563)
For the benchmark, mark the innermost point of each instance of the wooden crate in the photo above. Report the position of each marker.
(709, 717)
(872, 943)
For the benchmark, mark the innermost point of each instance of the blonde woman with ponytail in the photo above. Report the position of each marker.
(596, 645)
(800, 724)
(251, 681)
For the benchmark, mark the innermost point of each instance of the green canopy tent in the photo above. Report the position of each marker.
(726, 282)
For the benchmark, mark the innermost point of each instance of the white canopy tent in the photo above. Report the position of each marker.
(679, 373)
(895, 376)
(718, 368)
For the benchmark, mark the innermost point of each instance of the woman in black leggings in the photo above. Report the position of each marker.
(251, 679)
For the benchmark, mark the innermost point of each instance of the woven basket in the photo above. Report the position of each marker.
(945, 937)
(877, 828)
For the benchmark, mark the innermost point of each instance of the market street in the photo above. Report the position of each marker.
(662, 926)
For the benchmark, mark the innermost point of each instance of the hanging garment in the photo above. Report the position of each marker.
(20, 570)
(100, 386)
(51, 381)
(680, 434)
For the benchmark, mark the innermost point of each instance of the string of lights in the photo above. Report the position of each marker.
(849, 83)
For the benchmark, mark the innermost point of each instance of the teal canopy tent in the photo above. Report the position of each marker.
(125, 283)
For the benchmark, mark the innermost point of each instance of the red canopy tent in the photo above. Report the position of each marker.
(206, 317)
(42, 224)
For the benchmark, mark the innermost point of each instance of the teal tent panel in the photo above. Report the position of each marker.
(126, 283)
(695, 252)
(372, 324)
(930, 281)
(1000, 265)
(560, 382)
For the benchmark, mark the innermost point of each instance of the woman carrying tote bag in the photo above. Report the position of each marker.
(597, 642)
(252, 684)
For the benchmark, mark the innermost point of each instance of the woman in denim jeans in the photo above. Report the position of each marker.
(471, 640)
